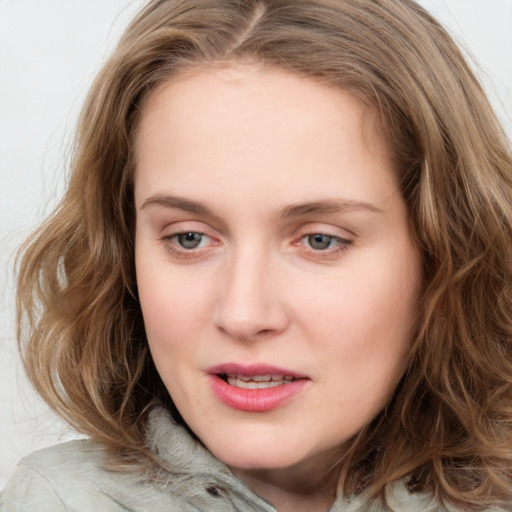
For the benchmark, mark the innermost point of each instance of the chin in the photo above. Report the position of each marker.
(257, 459)
(268, 451)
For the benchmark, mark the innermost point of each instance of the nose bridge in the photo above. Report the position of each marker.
(249, 302)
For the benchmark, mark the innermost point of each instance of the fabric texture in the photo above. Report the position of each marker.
(71, 477)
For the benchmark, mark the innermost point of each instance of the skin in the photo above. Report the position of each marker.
(249, 144)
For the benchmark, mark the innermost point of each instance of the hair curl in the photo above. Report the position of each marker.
(449, 423)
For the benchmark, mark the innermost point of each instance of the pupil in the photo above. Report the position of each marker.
(319, 241)
(189, 240)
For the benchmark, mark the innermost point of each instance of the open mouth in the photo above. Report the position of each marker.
(256, 387)
(255, 381)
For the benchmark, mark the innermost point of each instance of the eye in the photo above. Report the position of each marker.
(321, 241)
(186, 243)
(190, 240)
(321, 245)
(184, 240)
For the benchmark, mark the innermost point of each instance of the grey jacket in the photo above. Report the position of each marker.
(70, 478)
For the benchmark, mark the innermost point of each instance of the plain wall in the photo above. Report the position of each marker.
(49, 53)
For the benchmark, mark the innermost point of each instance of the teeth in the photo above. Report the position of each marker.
(258, 381)
(259, 378)
(256, 378)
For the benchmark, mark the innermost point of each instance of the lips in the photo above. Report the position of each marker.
(255, 388)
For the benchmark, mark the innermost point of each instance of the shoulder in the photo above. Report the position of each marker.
(400, 499)
(71, 477)
(54, 478)
(59, 459)
(33, 483)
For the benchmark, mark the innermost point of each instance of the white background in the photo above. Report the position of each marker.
(49, 53)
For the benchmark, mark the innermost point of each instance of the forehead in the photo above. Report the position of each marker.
(253, 124)
(208, 89)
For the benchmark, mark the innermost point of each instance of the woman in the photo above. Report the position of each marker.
(280, 275)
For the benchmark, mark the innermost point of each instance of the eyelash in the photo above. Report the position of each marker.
(172, 245)
(177, 250)
(330, 252)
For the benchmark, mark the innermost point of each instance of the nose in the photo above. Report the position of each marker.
(250, 303)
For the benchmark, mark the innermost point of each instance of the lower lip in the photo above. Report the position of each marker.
(255, 400)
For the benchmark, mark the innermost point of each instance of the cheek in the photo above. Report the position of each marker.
(173, 305)
(363, 326)
(174, 310)
(378, 302)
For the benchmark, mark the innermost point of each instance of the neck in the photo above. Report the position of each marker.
(293, 491)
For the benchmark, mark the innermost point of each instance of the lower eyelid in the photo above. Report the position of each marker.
(333, 252)
(173, 247)
(326, 254)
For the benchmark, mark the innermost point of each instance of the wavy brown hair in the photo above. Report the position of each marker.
(448, 426)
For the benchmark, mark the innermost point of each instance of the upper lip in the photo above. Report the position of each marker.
(251, 370)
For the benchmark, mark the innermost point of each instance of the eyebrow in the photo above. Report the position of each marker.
(176, 202)
(327, 206)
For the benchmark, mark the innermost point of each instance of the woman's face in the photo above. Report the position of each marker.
(275, 267)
